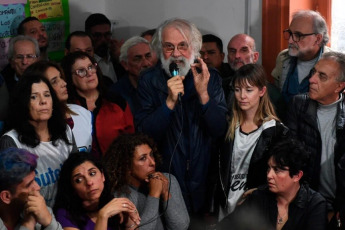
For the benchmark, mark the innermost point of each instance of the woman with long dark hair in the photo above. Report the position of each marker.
(78, 118)
(84, 200)
(37, 124)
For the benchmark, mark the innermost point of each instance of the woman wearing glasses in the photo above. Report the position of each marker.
(78, 118)
(111, 113)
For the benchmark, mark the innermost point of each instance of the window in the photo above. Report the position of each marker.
(338, 26)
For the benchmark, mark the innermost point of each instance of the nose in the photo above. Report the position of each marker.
(290, 39)
(269, 173)
(43, 100)
(242, 94)
(313, 78)
(63, 83)
(25, 60)
(147, 62)
(36, 187)
(89, 181)
(176, 52)
(152, 162)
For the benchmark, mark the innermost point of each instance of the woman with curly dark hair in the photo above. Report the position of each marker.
(38, 125)
(130, 163)
(78, 118)
(111, 113)
(84, 200)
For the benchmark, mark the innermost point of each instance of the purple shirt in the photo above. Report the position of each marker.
(62, 216)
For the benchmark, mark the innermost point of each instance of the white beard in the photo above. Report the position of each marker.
(183, 67)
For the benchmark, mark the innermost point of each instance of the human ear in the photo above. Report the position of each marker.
(5, 196)
(298, 176)
(262, 91)
(255, 57)
(124, 65)
(340, 88)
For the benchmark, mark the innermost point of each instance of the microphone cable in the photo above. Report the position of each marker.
(169, 168)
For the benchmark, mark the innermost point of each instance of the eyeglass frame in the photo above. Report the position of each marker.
(21, 57)
(91, 67)
(294, 34)
(171, 50)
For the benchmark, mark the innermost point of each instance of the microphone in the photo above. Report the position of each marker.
(173, 68)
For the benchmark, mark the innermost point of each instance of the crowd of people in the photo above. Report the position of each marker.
(159, 132)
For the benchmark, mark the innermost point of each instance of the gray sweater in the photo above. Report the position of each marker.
(151, 209)
(54, 225)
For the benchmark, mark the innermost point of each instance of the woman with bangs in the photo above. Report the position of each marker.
(78, 118)
(253, 127)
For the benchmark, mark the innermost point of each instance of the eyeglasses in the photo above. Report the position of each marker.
(91, 69)
(296, 37)
(21, 57)
(169, 48)
(99, 35)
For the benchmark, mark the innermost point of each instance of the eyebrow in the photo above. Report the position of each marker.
(78, 174)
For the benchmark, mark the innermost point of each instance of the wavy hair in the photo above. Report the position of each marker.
(118, 159)
(19, 118)
(68, 199)
(188, 30)
(255, 75)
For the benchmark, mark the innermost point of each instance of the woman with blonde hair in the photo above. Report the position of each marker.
(253, 127)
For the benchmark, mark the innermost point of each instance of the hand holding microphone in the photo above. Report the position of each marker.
(175, 86)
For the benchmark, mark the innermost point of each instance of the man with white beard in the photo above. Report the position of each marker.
(185, 126)
(307, 36)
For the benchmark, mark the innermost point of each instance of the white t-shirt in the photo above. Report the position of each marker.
(82, 129)
(244, 145)
(49, 162)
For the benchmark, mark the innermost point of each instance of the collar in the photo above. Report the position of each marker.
(99, 59)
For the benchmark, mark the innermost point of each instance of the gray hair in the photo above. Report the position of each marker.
(129, 44)
(186, 28)
(18, 38)
(340, 59)
(319, 23)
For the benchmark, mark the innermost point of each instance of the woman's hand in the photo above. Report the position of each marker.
(158, 186)
(118, 205)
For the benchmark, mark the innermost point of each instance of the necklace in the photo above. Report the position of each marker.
(280, 219)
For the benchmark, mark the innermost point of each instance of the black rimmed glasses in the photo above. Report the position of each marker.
(169, 48)
(296, 37)
(83, 72)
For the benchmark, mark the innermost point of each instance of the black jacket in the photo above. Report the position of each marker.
(302, 121)
(258, 163)
(260, 211)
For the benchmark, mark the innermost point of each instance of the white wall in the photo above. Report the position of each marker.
(223, 18)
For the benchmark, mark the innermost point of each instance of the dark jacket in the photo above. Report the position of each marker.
(302, 121)
(258, 163)
(189, 131)
(306, 212)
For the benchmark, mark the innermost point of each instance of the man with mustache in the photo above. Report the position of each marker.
(317, 119)
(32, 27)
(307, 36)
(185, 113)
(241, 51)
